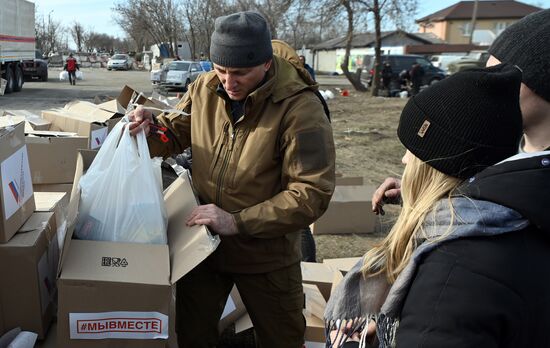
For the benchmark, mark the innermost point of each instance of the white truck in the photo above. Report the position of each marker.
(17, 41)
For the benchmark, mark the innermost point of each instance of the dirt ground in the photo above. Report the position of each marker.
(364, 133)
(366, 145)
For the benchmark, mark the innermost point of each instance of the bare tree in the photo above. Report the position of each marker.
(274, 11)
(301, 24)
(200, 16)
(160, 19)
(354, 78)
(101, 42)
(399, 12)
(50, 34)
(77, 32)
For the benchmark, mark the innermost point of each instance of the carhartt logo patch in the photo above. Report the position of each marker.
(424, 128)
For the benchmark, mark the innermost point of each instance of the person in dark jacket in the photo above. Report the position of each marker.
(462, 265)
(387, 75)
(307, 67)
(417, 75)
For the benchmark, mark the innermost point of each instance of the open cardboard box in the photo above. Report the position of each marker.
(118, 294)
(86, 119)
(320, 275)
(52, 156)
(34, 120)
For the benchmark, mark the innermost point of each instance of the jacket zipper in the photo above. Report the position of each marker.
(224, 167)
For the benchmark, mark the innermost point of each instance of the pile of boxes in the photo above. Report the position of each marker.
(29, 248)
(319, 279)
(104, 294)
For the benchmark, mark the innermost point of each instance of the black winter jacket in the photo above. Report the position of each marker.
(488, 291)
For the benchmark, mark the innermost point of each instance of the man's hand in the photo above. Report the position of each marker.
(389, 192)
(217, 219)
(140, 119)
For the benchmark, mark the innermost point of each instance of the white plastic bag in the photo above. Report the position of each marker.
(63, 76)
(79, 75)
(121, 193)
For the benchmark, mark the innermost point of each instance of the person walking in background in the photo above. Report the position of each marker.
(71, 66)
(257, 187)
(466, 258)
(417, 75)
(387, 75)
(524, 44)
(307, 67)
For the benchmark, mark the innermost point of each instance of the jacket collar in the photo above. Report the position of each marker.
(282, 81)
(520, 183)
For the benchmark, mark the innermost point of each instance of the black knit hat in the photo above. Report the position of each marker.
(241, 40)
(465, 122)
(527, 44)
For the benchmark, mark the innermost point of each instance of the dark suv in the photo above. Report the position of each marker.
(405, 62)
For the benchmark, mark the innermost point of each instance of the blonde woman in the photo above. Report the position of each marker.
(465, 264)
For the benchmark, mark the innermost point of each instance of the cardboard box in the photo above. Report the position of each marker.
(67, 188)
(129, 95)
(349, 211)
(342, 264)
(36, 122)
(315, 301)
(315, 330)
(86, 119)
(314, 314)
(243, 323)
(318, 274)
(56, 202)
(233, 310)
(118, 294)
(12, 121)
(28, 263)
(16, 197)
(52, 156)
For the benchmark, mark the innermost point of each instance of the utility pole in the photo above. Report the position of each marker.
(474, 19)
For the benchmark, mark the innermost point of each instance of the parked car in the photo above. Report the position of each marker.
(37, 68)
(442, 61)
(405, 62)
(120, 61)
(180, 73)
(474, 59)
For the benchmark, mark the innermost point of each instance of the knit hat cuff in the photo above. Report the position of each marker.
(239, 56)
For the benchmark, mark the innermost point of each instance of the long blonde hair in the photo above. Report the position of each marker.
(421, 187)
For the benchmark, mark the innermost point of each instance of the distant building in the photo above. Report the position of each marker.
(454, 23)
(328, 55)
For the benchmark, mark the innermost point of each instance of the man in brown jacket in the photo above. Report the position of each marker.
(263, 167)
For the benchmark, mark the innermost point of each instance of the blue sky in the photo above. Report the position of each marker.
(97, 14)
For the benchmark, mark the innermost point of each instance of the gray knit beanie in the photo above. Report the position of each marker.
(527, 44)
(241, 40)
